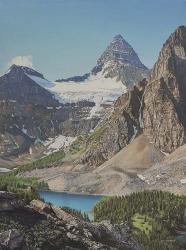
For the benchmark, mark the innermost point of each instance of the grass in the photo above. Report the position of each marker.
(78, 146)
(97, 134)
(42, 163)
(143, 223)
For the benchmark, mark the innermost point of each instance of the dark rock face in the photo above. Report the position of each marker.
(120, 129)
(165, 96)
(12, 240)
(75, 78)
(23, 125)
(17, 86)
(78, 126)
(51, 228)
(10, 202)
(121, 61)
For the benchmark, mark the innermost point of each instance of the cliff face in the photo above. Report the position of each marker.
(50, 228)
(119, 130)
(165, 96)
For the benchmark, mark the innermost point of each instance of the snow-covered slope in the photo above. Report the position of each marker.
(96, 88)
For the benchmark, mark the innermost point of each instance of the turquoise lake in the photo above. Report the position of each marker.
(82, 202)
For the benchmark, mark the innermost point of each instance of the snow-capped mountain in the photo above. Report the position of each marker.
(121, 61)
(25, 85)
(118, 69)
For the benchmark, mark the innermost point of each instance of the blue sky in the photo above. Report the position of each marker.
(62, 38)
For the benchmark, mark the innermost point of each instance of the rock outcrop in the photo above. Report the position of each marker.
(164, 112)
(12, 240)
(10, 202)
(46, 227)
(75, 78)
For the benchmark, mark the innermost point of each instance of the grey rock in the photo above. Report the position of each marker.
(12, 240)
(165, 96)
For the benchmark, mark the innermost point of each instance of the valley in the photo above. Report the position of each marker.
(115, 136)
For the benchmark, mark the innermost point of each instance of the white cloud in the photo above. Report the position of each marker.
(22, 61)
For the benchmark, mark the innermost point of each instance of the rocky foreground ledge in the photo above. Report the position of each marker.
(41, 226)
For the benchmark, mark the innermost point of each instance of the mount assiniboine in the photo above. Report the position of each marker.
(118, 69)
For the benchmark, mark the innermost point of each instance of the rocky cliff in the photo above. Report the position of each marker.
(119, 130)
(165, 96)
(46, 227)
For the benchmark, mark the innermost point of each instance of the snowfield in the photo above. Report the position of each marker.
(97, 89)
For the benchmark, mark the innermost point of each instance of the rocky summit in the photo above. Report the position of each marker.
(16, 85)
(120, 61)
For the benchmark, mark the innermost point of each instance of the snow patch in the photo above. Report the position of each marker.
(4, 170)
(183, 181)
(42, 82)
(57, 143)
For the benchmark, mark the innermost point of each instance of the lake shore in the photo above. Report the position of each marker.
(77, 193)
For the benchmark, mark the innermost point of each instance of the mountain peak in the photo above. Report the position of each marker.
(120, 60)
(119, 36)
(118, 39)
(18, 70)
(172, 55)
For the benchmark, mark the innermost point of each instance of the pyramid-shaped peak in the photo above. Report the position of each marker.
(118, 52)
(118, 37)
(18, 69)
(118, 40)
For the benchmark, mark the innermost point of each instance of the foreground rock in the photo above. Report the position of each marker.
(42, 226)
(13, 240)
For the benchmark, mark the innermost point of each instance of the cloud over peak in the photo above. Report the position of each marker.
(22, 61)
